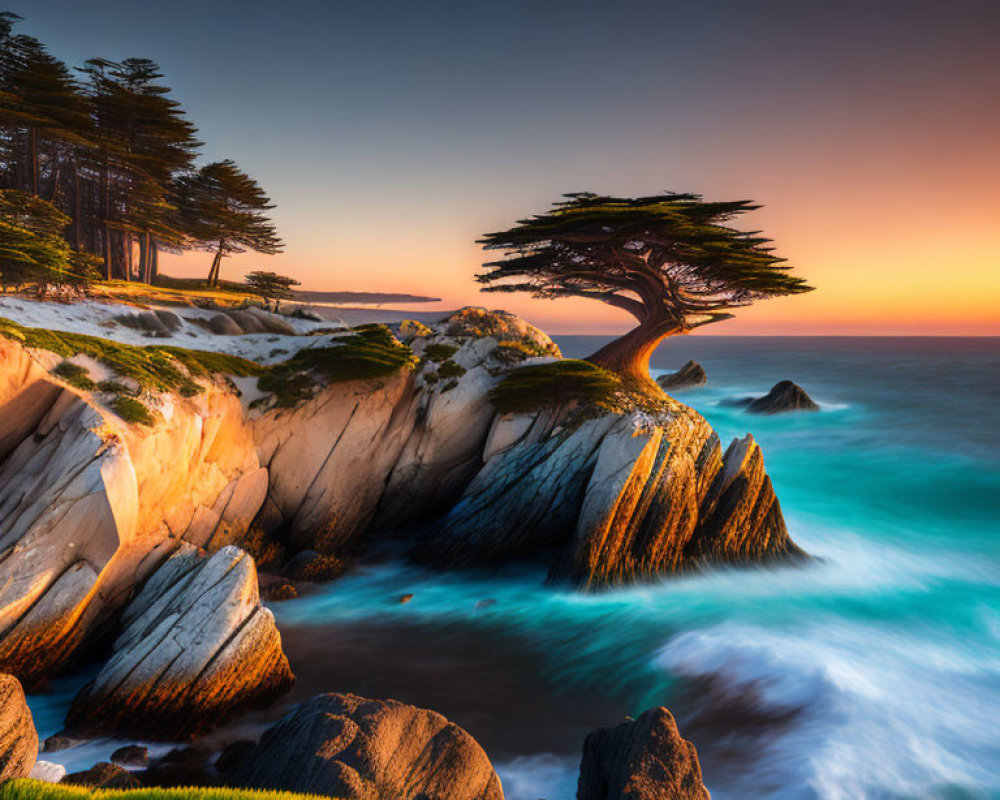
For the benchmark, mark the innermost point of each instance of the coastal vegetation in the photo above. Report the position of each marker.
(670, 260)
(98, 173)
(27, 789)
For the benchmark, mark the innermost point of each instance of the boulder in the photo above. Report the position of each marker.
(183, 766)
(351, 747)
(196, 646)
(784, 396)
(272, 323)
(224, 325)
(131, 755)
(691, 374)
(642, 759)
(169, 320)
(18, 740)
(148, 322)
(47, 772)
(248, 322)
(103, 776)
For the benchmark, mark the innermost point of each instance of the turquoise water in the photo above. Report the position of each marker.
(872, 673)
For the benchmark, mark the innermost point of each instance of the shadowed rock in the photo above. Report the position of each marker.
(103, 776)
(353, 748)
(196, 646)
(784, 396)
(18, 740)
(642, 759)
(691, 374)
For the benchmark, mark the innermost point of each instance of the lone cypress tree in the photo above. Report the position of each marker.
(670, 260)
(270, 286)
(224, 210)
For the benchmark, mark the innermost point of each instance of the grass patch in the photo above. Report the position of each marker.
(75, 375)
(540, 386)
(154, 367)
(132, 411)
(440, 352)
(27, 789)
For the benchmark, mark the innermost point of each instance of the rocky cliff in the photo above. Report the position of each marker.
(341, 444)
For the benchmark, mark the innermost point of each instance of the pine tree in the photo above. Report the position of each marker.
(670, 260)
(224, 210)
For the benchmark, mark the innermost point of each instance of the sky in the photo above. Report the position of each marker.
(392, 135)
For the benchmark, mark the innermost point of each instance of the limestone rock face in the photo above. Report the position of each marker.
(642, 759)
(617, 499)
(784, 396)
(18, 740)
(354, 748)
(691, 374)
(196, 646)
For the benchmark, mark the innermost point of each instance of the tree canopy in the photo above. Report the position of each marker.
(224, 210)
(673, 261)
(111, 148)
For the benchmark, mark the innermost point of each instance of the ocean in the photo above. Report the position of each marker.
(872, 672)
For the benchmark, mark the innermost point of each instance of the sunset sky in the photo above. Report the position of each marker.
(391, 135)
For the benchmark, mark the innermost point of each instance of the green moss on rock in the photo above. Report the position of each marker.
(132, 411)
(75, 375)
(153, 367)
(539, 386)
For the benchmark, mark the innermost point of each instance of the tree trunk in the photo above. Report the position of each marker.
(628, 356)
(213, 273)
(33, 159)
(128, 256)
(78, 242)
(144, 257)
(154, 260)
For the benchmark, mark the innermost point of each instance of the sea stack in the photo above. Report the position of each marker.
(784, 396)
(691, 374)
(642, 759)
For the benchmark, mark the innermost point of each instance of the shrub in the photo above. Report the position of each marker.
(449, 369)
(440, 352)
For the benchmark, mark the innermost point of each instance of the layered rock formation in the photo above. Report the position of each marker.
(18, 739)
(691, 374)
(355, 748)
(196, 645)
(619, 498)
(642, 759)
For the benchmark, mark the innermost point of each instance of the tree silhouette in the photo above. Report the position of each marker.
(670, 260)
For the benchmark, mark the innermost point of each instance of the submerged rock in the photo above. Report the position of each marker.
(784, 396)
(196, 646)
(642, 759)
(691, 374)
(351, 747)
(18, 739)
